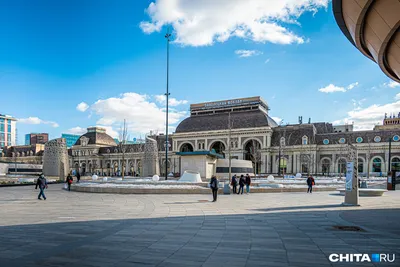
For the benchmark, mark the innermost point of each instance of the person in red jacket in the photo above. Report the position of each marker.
(69, 181)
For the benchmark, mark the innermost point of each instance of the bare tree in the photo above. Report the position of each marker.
(343, 152)
(255, 155)
(307, 156)
(123, 138)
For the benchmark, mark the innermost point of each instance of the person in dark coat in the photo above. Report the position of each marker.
(248, 183)
(42, 184)
(78, 177)
(69, 181)
(234, 184)
(310, 183)
(241, 184)
(214, 187)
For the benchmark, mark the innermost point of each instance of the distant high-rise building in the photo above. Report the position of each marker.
(71, 139)
(36, 138)
(8, 131)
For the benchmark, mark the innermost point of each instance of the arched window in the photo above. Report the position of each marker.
(342, 166)
(326, 163)
(304, 140)
(187, 147)
(395, 164)
(199, 146)
(377, 165)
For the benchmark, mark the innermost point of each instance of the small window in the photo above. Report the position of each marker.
(377, 139)
(304, 140)
(359, 139)
(342, 140)
(282, 141)
(326, 141)
(396, 138)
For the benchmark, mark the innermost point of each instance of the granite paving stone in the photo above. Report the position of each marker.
(118, 230)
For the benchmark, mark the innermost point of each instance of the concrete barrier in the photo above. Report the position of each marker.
(366, 192)
(116, 190)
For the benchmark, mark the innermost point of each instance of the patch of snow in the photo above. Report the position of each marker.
(150, 186)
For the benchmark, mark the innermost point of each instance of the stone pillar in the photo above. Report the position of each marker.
(264, 141)
(333, 165)
(55, 159)
(150, 158)
(196, 145)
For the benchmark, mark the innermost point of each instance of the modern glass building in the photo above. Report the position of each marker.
(36, 138)
(70, 139)
(8, 131)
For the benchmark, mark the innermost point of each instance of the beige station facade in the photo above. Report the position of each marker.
(373, 27)
(243, 129)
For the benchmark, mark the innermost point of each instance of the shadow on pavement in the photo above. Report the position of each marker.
(301, 207)
(294, 238)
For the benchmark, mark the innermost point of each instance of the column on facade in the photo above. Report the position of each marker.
(266, 163)
(196, 145)
(264, 145)
(333, 164)
(386, 163)
(269, 140)
(316, 162)
(298, 163)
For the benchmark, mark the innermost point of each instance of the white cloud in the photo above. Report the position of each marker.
(248, 53)
(352, 85)
(82, 107)
(36, 120)
(391, 84)
(367, 118)
(201, 23)
(397, 97)
(331, 88)
(77, 130)
(141, 114)
(171, 101)
(277, 119)
(266, 61)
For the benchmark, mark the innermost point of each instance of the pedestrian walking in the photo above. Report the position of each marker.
(234, 184)
(241, 184)
(310, 183)
(69, 181)
(78, 177)
(214, 187)
(248, 183)
(42, 184)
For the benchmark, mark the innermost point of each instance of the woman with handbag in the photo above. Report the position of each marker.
(69, 181)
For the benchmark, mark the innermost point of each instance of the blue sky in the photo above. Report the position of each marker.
(110, 57)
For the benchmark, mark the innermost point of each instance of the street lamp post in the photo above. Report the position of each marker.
(390, 154)
(167, 36)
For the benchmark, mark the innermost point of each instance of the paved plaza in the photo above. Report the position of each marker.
(282, 229)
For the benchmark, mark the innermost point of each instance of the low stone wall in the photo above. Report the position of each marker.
(115, 190)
